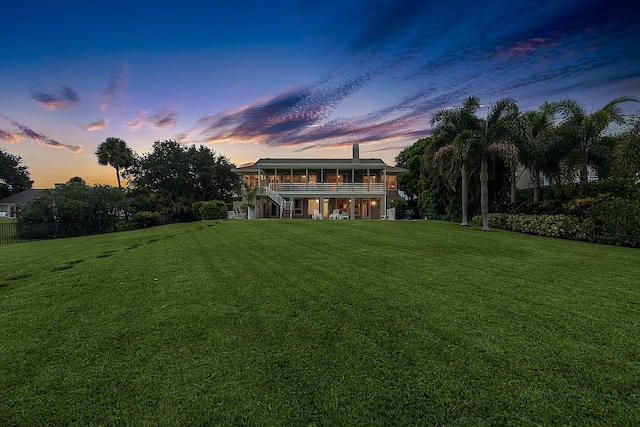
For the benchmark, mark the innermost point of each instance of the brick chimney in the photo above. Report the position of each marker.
(356, 153)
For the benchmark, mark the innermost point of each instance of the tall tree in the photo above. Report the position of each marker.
(455, 128)
(628, 149)
(116, 153)
(579, 133)
(534, 143)
(501, 129)
(179, 176)
(14, 177)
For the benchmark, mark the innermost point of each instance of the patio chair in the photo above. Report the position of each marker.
(335, 214)
(316, 214)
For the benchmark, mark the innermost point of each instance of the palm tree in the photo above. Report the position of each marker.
(533, 146)
(501, 128)
(579, 132)
(114, 152)
(628, 150)
(456, 128)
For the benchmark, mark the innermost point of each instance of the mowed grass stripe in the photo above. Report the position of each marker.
(318, 322)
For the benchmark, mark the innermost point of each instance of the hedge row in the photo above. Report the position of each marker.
(610, 221)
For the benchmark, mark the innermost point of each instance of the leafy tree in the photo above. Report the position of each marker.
(79, 208)
(114, 152)
(579, 133)
(178, 176)
(14, 177)
(412, 158)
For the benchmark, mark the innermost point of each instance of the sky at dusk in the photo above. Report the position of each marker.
(304, 78)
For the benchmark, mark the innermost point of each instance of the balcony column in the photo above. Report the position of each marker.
(384, 187)
(352, 208)
(353, 179)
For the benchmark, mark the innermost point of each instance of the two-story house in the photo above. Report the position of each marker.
(352, 188)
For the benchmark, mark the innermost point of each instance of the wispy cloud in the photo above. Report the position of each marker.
(24, 132)
(97, 125)
(56, 98)
(114, 88)
(301, 118)
(279, 120)
(159, 120)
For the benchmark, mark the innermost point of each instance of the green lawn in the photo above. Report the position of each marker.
(332, 323)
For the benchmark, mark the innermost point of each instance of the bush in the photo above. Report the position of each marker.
(146, 219)
(427, 204)
(401, 206)
(562, 226)
(615, 221)
(214, 209)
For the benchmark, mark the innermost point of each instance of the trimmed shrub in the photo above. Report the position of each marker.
(214, 209)
(560, 226)
(615, 221)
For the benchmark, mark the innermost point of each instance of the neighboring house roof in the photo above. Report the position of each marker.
(21, 197)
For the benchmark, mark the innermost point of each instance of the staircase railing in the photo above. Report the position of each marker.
(280, 201)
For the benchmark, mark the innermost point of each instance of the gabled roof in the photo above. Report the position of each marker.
(21, 197)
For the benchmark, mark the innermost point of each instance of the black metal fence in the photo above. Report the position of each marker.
(12, 232)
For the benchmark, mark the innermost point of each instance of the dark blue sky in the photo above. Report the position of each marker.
(289, 78)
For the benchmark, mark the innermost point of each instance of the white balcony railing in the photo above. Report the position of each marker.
(328, 188)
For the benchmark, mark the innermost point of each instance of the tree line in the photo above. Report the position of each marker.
(470, 162)
(170, 182)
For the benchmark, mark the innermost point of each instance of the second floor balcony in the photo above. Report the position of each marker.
(328, 188)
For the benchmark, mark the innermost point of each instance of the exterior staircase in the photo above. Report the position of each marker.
(286, 207)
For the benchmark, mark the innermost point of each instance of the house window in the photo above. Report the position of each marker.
(391, 182)
(313, 204)
(341, 178)
(252, 180)
(313, 178)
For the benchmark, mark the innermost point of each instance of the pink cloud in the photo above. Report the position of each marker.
(25, 132)
(97, 125)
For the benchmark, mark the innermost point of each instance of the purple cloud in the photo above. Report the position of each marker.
(159, 120)
(283, 118)
(56, 99)
(24, 132)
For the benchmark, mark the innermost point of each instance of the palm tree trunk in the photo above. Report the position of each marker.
(484, 193)
(584, 173)
(465, 196)
(537, 194)
(514, 189)
(118, 176)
